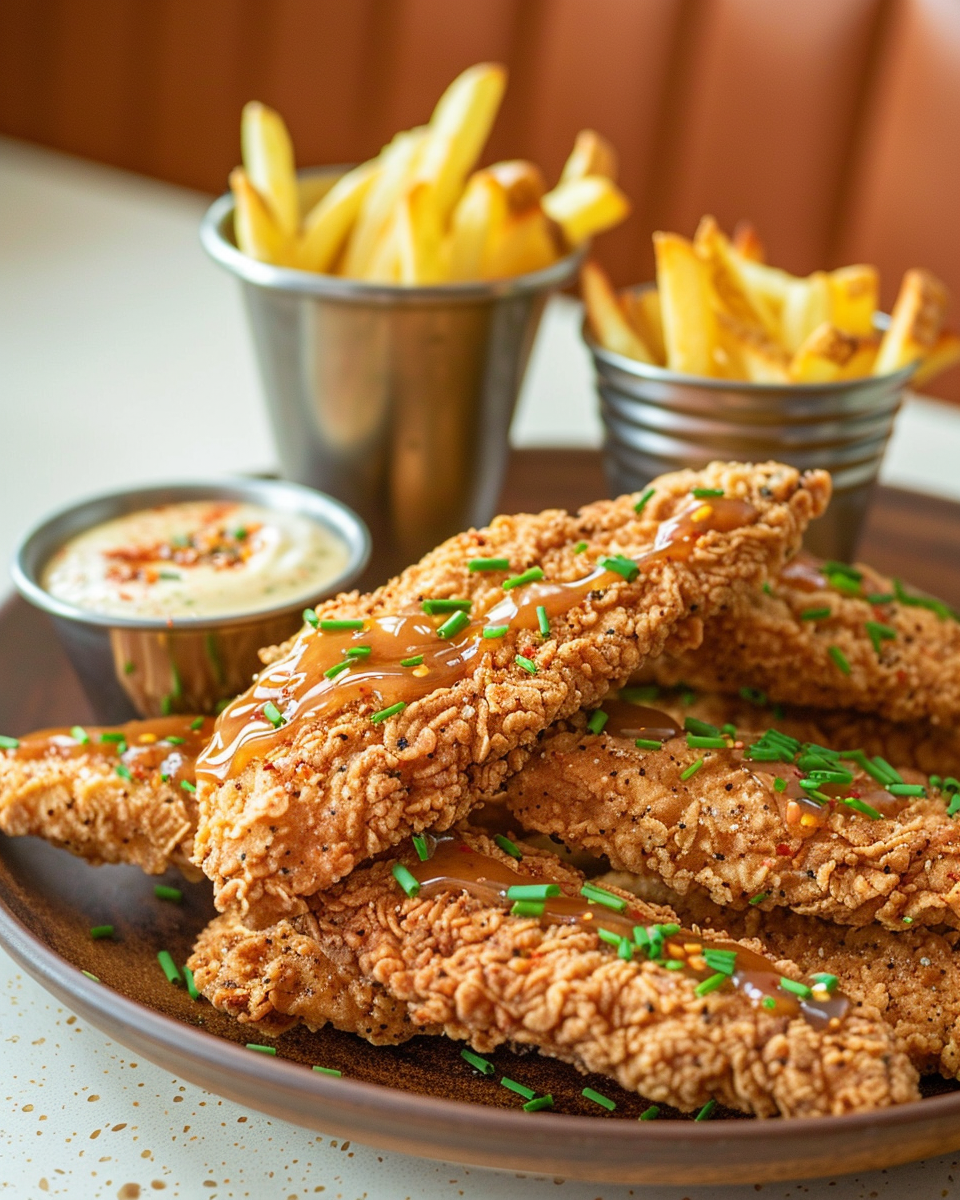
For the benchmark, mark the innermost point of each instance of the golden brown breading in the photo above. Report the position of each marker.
(728, 829)
(329, 791)
(912, 978)
(763, 641)
(487, 977)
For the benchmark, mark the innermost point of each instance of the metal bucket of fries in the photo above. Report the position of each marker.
(395, 399)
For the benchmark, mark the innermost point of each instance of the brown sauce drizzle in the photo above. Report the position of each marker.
(804, 572)
(632, 721)
(454, 866)
(300, 689)
(145, 748)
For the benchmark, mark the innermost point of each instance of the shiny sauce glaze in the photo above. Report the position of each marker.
(804, 572)
(168, 746)
(381, 669)
(805, 816)
(632, 721)
(454, 866)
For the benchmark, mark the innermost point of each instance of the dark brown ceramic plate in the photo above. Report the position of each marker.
(421, 1098)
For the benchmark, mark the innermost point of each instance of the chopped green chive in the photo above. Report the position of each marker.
(598, 718)
(340, 624)
(645, 497)
(274, 715)
(889, 774)
(881, 597)
(769, 1002)
(935, 781)
(598, 895)
(328, 1071)
(878, 632)
(647, 744)
(907, 920)
(165, 960)
(453, 625)
(421, 847)
(528, 908)
(507, 846)
(724, 961)
(527, 663)
(797, 989)
(119, 738)
(700, 728)
(639, 695)
(815, 614)
(192, 990)
(311, 617)
(650, 1114)
(754, 696)
(384, 713)
(543, 620)
(79, 734)
(495, 631)
(611, 938)
(533, 891)
(705, 743)
(539, 1102)
(691, 770)
(706, 493)
(706, 1112)
(196, 723)
(531, 575)
(261, 1049)
(187, 786)
(410, 885)
(90, 975)
(333, 672)
(906, 789)
(621, 566)
(520, 1088)
(163, 892)
(175, 741)
(599, 1098)
(130, 667)
(758, 898)
(936, 606)
(123, 771)
(580, 547)
(839, 658)
(101, 931)
(415, 661)
(827, 981)
(481, 1064)
(711, 984)
(488, 564)
(166, 705)
(766, 588)
(861, 806)
(358, 652)
(779, 785)
(954, 806)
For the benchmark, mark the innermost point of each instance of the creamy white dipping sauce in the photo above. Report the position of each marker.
(199, 558)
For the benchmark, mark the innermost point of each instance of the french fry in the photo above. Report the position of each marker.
(268, 159)
(854, 297)
(420, 238)
(522, 182)
(523, 243)
(255, 227)
(591, 155)
(326, 226)
(642, 310)
(945, 352)
(606, 318)
(745, 352)
(915, 322)
(829, 354)
(806, 305)
(728, 282)
(689, 322)
(478, 218)
(585, 206)
(370, 230)
(746, 241)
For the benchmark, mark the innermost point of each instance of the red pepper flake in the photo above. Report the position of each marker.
(784, 851)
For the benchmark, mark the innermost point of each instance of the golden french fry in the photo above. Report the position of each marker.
(854, 297)
(326, 226)
(591, 155)
(689, 322)
(747, 242)
(585, 206)
(458, 130)
(745, 352)
(806, 305)
(420, 238)
(728, 283)
(478, 218)
(829, 354)
(915, 322)
(642, 310)
(522, 182)
(523, 243)
(255, 227)
(268, 159)
(372, 228)
(606, 318)
(945, 352)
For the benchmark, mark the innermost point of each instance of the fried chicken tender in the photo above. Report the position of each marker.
(286, 812)
(109, 795)
(727, 828)
(874, 648)
(482, 975)
(912, 978)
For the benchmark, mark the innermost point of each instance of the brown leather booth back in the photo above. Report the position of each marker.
(833, 124)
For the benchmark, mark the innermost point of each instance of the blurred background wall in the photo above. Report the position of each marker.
(833, 124)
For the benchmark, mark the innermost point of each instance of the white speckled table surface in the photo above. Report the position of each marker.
(109, 316)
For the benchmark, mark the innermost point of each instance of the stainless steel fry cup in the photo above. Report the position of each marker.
(397, 400)
(147, 667)
(656, 420)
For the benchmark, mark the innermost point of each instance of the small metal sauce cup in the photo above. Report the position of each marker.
(397, 400)
(656, 420)
(150, 666)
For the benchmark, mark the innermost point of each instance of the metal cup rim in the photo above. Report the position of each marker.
(39, 543)
(309, 283)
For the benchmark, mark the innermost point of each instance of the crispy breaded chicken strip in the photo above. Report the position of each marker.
(727, 828)
(109, 795)
(866, 650)
(912, 978)
(487, 977)
(286, 811)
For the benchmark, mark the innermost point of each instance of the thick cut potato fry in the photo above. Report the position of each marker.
(522, 182)
(379, 206)
(478, 219)
(268, 160)
(327, 224)
(458, 130)
(727, 281)
(642, 310)
(591, 155)
(829, 354)
(585, 206)
(805, 306)
(745, 352)
(945, 352)
(689, 321)
(854, 297)
(915, 322)
(606, 318)
(255, 228)
(523, 243)
(747, 241)
(420, 238)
